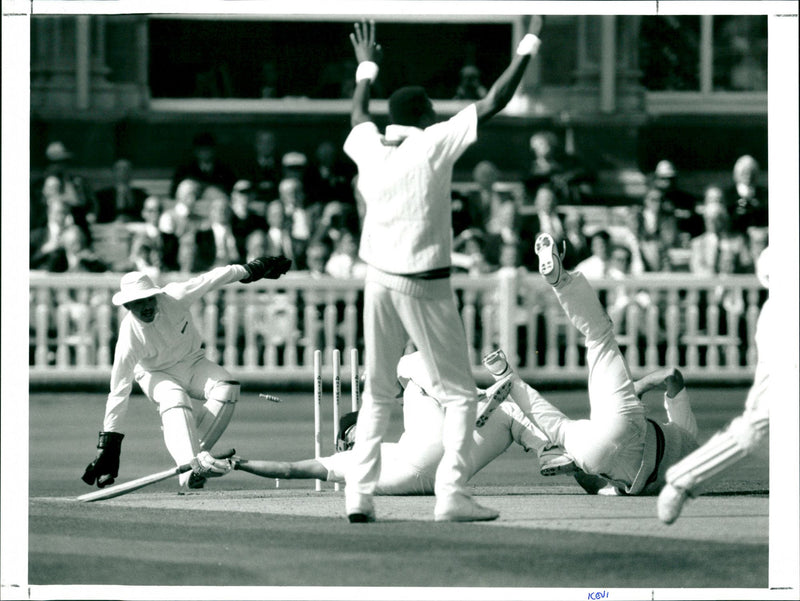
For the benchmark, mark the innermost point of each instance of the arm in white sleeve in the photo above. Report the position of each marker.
(679, 411)
(121, 385)
(191, 290)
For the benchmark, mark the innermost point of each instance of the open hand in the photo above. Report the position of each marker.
(363, 40)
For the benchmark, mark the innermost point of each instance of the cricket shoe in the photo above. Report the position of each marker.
(495, 394)
(497, 364)
(549, 258)
(461, 508)
(553, 460)
(362, 510)
(670, 503)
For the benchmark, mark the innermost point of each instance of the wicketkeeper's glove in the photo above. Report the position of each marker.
(208, 466)
(105, 466)
(266, 267)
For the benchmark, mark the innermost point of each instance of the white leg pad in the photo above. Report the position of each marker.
(723, 450)
(180, 436)
(217, 412)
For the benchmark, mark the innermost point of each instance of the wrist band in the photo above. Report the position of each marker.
(367, 70)
(529, 44)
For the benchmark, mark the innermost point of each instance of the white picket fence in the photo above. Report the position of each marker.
(267, 332)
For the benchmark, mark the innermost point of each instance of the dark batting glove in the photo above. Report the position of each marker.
(105, 466)
(266, 267)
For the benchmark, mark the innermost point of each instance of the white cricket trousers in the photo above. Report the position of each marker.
(432, 322)
(611, 441)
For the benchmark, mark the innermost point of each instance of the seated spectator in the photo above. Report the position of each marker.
(539, 213)
(329, 177)
(577, 242)
(204, 167)
(746, 198)
(485, 202)
(682, 203)
(226, 251)
(120, 201)
(654, 209)
(317, 255)
(51, 190)
(245, 219)
(278, 238)
(182, 218)
(468, 252)
(596, 265)
(757, 241)
(188, 262)
(336, 218)
(255, 245)
(469, 84)
(344, 261)
(294, 166)
(148, 240)
(625, 228)
(301, 221)
(264, 170)
(75, 255)
(718, 249)
(47, 239)
(569, 178)
(504, 232)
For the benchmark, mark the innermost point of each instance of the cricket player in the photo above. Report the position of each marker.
(405, 178)
(408, 466)
(160, 348)
(743, 434)
(617, 445)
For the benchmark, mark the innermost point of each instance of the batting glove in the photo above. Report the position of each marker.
(266, 267)
(105, 466)
(208, 466)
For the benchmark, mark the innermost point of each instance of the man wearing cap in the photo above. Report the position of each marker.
(159, 347)
(405, 179)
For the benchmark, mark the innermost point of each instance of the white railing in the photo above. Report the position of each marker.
(267, 332)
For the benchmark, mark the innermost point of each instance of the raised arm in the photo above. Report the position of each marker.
(503, 89)
(368, 55)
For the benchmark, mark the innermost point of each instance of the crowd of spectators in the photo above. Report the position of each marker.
(306, 209)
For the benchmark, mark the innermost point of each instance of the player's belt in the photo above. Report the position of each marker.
(660, 446)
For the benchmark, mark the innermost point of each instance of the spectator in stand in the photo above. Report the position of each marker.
(344, 261)
(625, 227)
(746, 198)
(459, 212)
(75, 255)
(485, 203)
(120, 201)
(718, 249)
(278, 239)
(47, 239)
(205, 167)
(577, 242)
(255, 245)
(569, 178)
(468, 252)
(335, 219)
(182, 218)
(757, 242)
(330, 175)
(469, 84)
(596, 265)
(301, 221)
(295, 166)
(317, 255)
(654, 210)
(244, 217)
(226, 252)
(539, 213)
(74, 189)
(682, 203)
(151, 249)
(504, 232)
(187, 253)
(264, 171)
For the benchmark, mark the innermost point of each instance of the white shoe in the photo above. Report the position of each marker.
(360, 509)
(549, 259)
(670, 503)
(553, 461)
(460, 508)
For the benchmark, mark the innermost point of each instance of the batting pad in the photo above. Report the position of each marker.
(723, 450)
(217, 412)
(180, 436)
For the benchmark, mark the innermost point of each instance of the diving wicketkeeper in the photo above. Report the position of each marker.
(160, 348)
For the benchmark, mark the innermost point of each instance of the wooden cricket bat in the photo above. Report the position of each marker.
(126, 487)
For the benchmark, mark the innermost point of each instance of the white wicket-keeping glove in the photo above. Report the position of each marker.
(208, 466)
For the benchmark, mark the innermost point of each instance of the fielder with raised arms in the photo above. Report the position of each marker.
(160, 348)
(405, 178)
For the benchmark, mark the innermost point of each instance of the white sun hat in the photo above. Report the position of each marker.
(134, 286)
